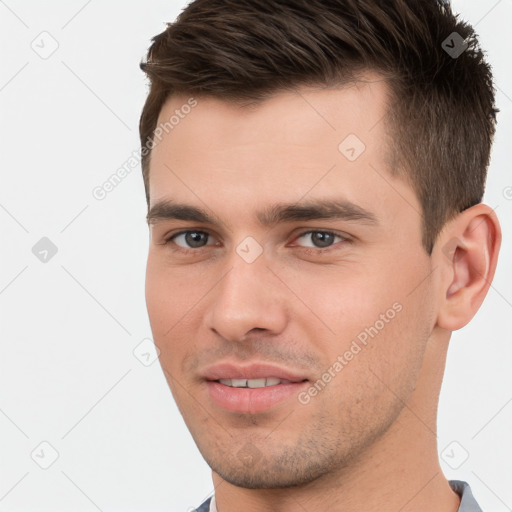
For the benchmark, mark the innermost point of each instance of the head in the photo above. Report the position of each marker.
(314, 172)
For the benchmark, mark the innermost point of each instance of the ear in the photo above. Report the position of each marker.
(467, 254)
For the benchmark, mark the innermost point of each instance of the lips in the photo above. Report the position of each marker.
(253, 388)
(251, 371)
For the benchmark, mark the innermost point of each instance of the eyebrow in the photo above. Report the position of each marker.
(339, 209)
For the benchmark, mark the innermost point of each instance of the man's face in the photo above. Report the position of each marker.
(265, 286)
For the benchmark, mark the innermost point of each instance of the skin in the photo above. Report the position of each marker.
(368, 439)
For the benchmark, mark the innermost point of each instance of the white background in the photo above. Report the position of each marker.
(68, 374)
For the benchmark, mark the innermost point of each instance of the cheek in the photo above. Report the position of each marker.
(380, 312)
(169, 294)
(157, 298)
(396, 343)
(340, 302)
(173, 302)
(167, 305)
(380, 367)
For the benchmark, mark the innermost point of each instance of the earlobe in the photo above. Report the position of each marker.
(468, 262)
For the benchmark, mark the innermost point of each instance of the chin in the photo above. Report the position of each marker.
(262, 479)
(265, 474)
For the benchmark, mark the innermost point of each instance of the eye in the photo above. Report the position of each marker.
(320, 239)
(196, 239)
(190, 239)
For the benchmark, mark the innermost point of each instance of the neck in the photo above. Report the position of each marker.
(399, 472)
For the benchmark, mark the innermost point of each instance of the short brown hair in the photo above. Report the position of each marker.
(441, 114)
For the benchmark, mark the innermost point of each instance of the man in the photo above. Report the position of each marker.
(314, 172)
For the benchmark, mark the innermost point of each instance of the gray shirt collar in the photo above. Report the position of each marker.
(467, 501)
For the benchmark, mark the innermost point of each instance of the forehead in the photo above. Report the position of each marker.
(306, 116)
(306, 143)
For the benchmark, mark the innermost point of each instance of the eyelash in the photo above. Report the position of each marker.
(307, 250)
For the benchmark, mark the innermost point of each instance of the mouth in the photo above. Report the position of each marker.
(252, 389)
(254, 383)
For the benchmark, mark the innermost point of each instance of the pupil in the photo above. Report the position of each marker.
(195, 238)
(322, 239)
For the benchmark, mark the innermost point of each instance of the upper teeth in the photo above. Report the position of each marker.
(251, 383)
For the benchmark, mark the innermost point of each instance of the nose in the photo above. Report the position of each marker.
(248, 297)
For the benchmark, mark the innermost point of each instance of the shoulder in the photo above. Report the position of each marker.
(204, 507)
(467, 500)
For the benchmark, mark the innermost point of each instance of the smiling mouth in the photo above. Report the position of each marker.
(254, 383)
(253, 395)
